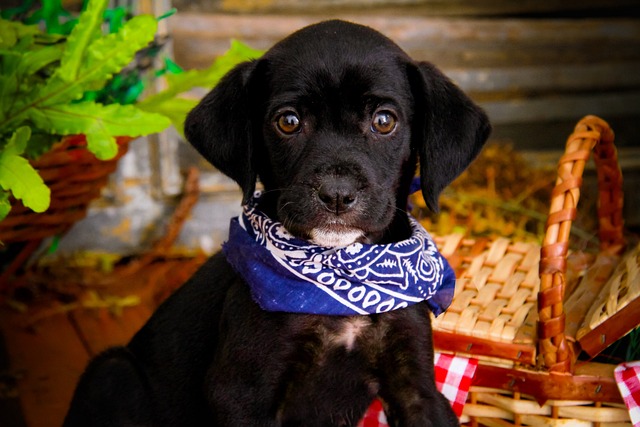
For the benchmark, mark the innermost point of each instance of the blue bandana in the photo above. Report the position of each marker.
(293, 275)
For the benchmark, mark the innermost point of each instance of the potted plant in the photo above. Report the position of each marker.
(50, 87)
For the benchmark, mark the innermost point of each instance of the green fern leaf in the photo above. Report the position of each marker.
(8, 88)
(11, 32)
(35, 60)
(5, 206)
(207, 78)
(105, 56)
(100, 123)
(18, 176)
(85, 32)
(18, 141)
(175, 109)
(103, 145)
(83, 117)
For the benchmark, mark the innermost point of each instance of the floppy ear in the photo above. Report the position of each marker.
(449, 129)
(220, 128)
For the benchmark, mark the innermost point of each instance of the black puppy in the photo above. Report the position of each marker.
(332, 120)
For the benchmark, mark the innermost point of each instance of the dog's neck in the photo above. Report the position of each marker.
(399, 229)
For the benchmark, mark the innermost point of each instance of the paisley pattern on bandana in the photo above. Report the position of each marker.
(292, 275)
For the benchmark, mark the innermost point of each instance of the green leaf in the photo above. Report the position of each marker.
(167, 14)
(18, 176)
(5, 206)
(102, 144)
(8, 87)
(51, 12)
(8, 36)
(175, 109)
(66, 27)
(106, 56)
(18, 141)
(55, 243)
(83, 117)
(209, 77)
(35, 60)
(172, 67)
(82, 35)
(11, 32)
(99, 122)
(116, 17)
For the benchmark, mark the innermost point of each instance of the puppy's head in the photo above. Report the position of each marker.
(332, 120)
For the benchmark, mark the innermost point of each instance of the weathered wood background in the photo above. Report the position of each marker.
(529, 74)
(536, 67)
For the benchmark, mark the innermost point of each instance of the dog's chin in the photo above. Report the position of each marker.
(335, 238)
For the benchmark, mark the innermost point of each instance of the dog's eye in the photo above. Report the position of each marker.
(384, 122)
(288, 123)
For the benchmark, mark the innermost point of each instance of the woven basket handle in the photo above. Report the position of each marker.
(590, 134)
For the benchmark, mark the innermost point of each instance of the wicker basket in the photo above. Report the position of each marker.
(75, 178)
(508, 308)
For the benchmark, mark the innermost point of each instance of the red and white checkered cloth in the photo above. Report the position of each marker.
(453, 379)
(628, 378)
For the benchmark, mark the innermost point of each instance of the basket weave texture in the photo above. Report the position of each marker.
(75, 177)
(508, 308)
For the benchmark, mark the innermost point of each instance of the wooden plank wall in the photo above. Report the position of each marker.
(421, 7)
(535, 76)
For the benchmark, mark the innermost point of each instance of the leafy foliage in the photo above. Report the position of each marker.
(41, 77)
(50, 12)
(75, 79)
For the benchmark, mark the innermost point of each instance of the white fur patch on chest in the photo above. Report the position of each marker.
(351, 329)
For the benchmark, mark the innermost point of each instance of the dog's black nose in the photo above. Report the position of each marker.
(337, 194)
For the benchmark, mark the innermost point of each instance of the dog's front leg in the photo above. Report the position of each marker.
(240, 396)
(415, 409)
(112, 392)
(412, 400)
(407, 378)
(244, 381)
